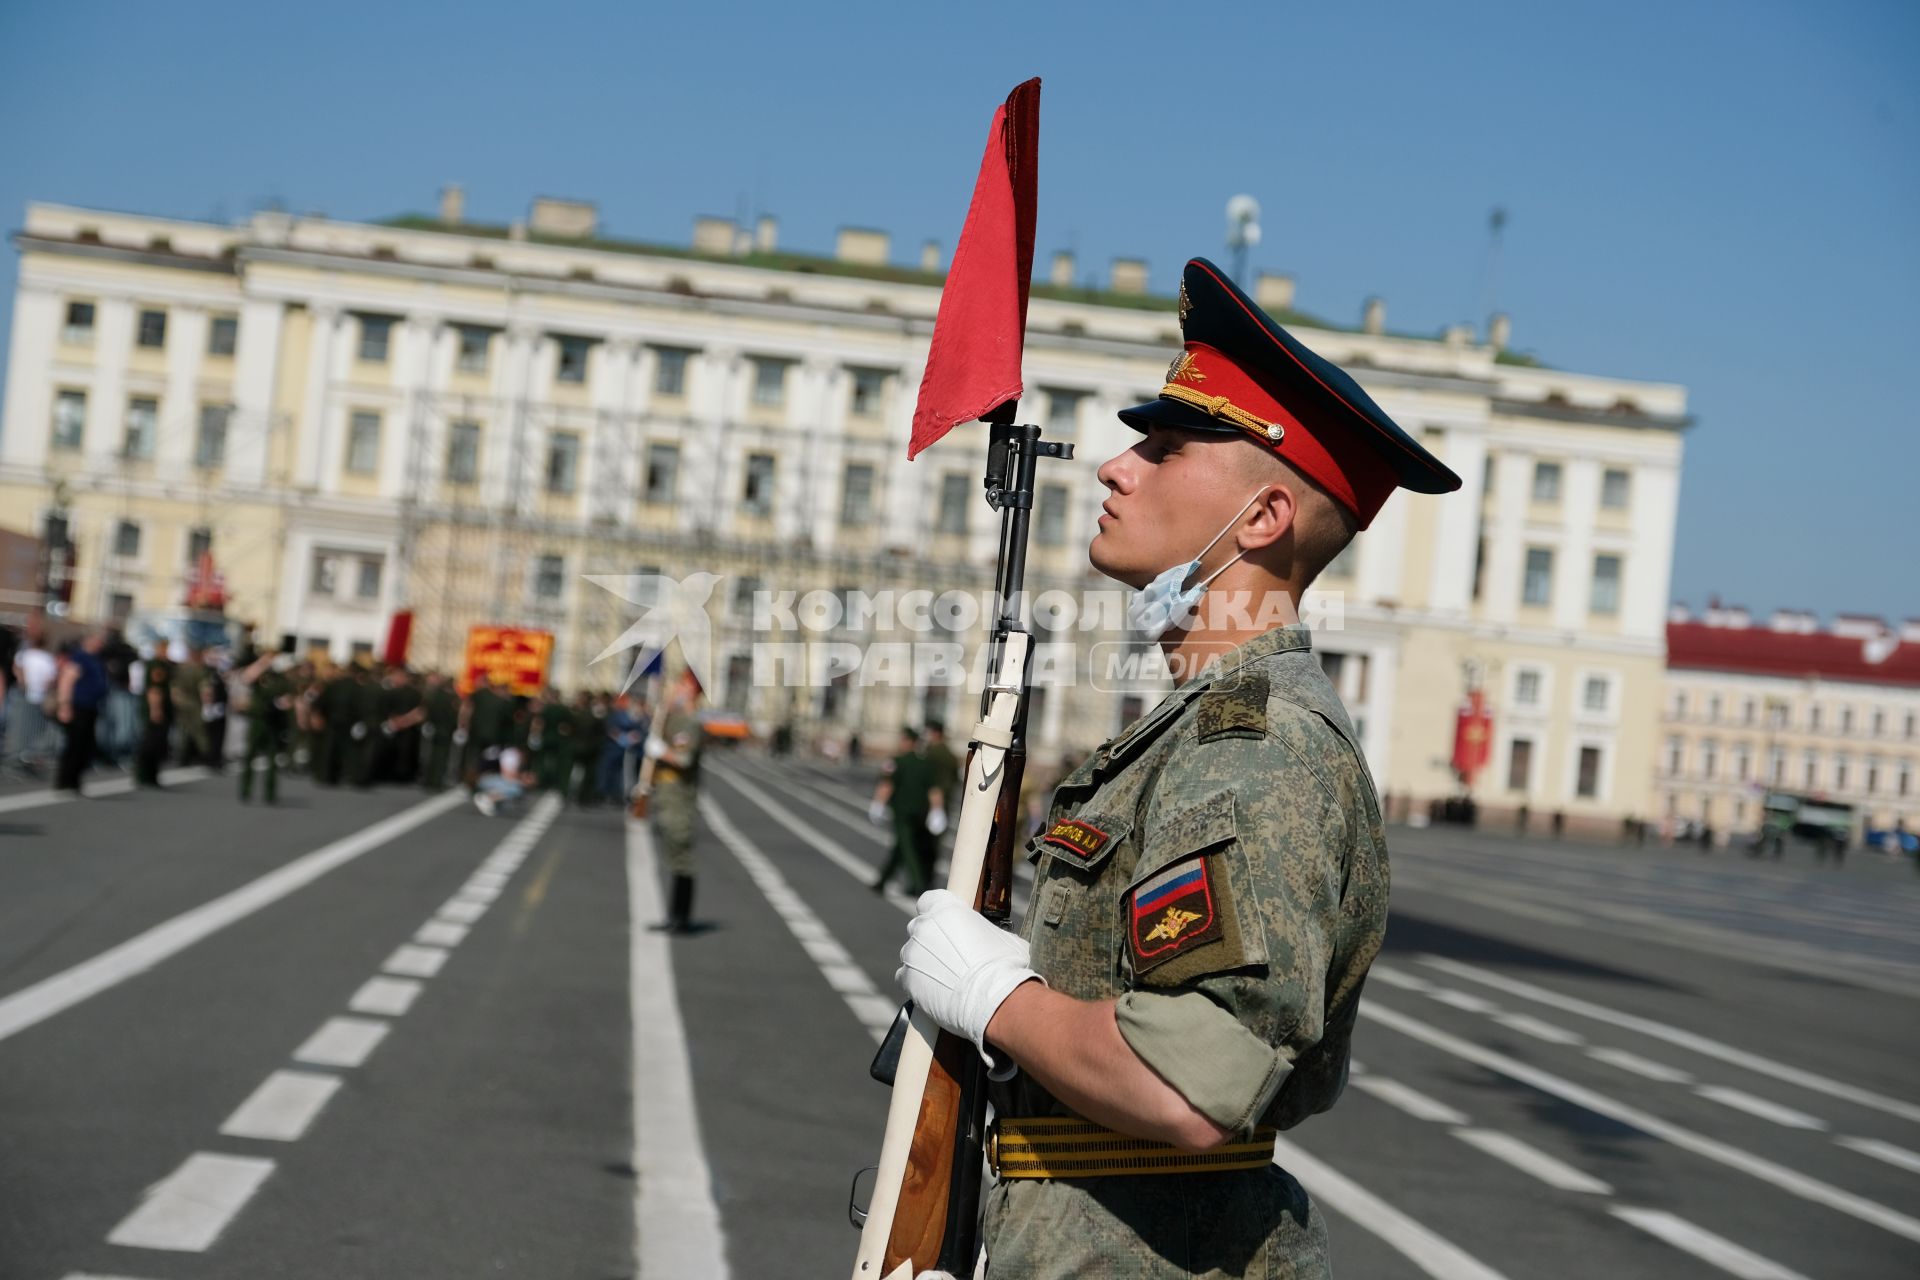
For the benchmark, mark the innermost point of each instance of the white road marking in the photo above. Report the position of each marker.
(186, 1211)
(113, 787)
(874, 1010)
(63, 990)
(1532, 1161)
(676, 1222)
(471, 892)
(1899, 1157)
(1527, 1024)
(88, 1275)
(1408, 1099)
(1740, 1100)
(489, 879)
(410, 961)
(1398, 978)
(282, 1108)
(461, 911)
(440, 933)
(1676, 1036)
(342, 1042)
(1640, 1066)
(1463, 1000)
(832, 850)
(389, 996)
(1704, 1245)
(1434, 1256)
(1786, 1179)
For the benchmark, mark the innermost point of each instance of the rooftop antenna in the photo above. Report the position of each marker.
(1243, 232)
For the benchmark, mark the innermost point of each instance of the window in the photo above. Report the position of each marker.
(360, 649)
(1526, 688)
(1746, 711)
(549, 577)
(143, 415)
(1479, 566)
(1587, 784)
(1777, 765)
(952, 514)
(1520, 764)
(1546, 482)
(1912, 721)
(1840, 773)
(1605, 598)
(769, 382)
(856, 494)
(1050, 522)
(1615, 486)
(119, 606)
(78, 330)
(1063, 413)
(1486, 475)
(670, 374)
(1777, 714)
(69, 419)
(126, 539)
(210, 447)
(663, 471)
(1873, 776)
(1709, 758)
(199, 543)
(325, 577)
(463, 452)
(363, 443)
(745, 588)
(376, 336)
(1680, 704)
(1537, 588)
(756, 496)
(366, 584)
(1879, 722)
(869, 387)
(1713, 708)
(474, 345)
(1813, 718)
(1676, 756)
(1743, 762)
(1846, 720)
(1906, 779)
(151, 330)
(1597, 694)
(1809, 770)
(563, 461)
(223, 335)
(573, 360)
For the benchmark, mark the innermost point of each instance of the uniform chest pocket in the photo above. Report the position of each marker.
(1069, 924)
(1194, 908)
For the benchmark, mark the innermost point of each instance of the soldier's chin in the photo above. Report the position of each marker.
(1102, 557)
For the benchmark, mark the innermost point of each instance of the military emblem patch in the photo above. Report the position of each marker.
(1078, 837)
(1183, 369)
(1172, 912)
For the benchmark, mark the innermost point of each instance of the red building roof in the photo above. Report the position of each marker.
(1762, 651)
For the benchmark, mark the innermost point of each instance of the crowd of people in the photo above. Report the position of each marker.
(98, 702)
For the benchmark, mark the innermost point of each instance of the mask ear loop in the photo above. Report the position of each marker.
(1262, 492)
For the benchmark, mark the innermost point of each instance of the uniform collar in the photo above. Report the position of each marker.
(1278, 640)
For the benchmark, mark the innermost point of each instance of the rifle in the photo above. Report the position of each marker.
(925, 1208)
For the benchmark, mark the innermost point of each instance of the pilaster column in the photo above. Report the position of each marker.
(107, 400)
(323, 344)
(26, 431)
(256, 361)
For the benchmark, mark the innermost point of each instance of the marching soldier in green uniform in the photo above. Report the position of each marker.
(189, 709)
(440, 711)
(269, 704)
(365, 700)
(906, 798)
(1210, 886)
(336, 716)
(553, 757)
(487, 720)
(671, 778)
(945, 769)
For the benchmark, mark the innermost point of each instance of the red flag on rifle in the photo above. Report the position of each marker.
(973, 365)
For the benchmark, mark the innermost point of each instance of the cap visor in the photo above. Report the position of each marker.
(1171, 413)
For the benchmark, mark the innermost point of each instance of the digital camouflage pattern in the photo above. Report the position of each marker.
(1219, 869)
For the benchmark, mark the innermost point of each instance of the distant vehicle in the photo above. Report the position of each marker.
(191, 628)
(726, 725)
(1824, 823)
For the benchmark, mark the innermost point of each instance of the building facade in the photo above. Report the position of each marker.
(1830, 712)
(472, 421)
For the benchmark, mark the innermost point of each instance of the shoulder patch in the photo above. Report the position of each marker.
(1239, 710)
(1174, 911)
(1078, 837)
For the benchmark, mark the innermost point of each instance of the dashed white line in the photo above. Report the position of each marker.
(1786, 1179)
(440, 933)
(63, 990)
(471, 892)
(1532, 1161)
(1464, 1000)
(461, 910)
(1640, 1066)
(389, 996)
(89, 1275)
(1433, 1255)
(1398, 978)
(676, 1222)
(1408, 1099)
(1704, 1245)
(1676, 1036)
(186, 1211)
(1899, 1157)
(1528, 1025)
(1740, 1100)
(410, 961)
(282, 1107)
(342, 1042)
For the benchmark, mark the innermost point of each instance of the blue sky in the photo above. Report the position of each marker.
(1724, 195)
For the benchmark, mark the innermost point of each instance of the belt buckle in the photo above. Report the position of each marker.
(993, 1147)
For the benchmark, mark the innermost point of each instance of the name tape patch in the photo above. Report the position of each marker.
(1173, 912)
(1078, 837)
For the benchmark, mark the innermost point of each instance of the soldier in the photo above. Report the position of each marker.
(1211, 885)
(487, 721)
(670, 778)
(944, 766)
(906, 792)
(398, 750)
(440, 719)
(156, 721)
(366, 699)
(269, 705)
(189, 708)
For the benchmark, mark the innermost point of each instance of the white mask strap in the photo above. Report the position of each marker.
(1261, 493)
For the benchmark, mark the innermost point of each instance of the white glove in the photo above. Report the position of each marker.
(459, 737)
(937, 822)
(877, 813)
(358, 731)
(959, 967)
(656, 747)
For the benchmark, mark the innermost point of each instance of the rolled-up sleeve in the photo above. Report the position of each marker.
(1227, 1073)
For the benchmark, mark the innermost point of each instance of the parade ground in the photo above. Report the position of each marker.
(377, 1034)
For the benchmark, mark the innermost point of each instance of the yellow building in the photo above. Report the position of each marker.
(471, 420)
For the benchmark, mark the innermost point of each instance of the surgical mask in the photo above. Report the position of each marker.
(1155, 606)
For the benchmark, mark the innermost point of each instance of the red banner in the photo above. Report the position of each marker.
(1472, 737)
(517, 656)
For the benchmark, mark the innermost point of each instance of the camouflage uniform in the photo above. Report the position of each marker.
(265, 724)
(1220, 869)
(675, 791)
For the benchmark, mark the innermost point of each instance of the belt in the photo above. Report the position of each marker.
(1069, 1147)
(667, 773)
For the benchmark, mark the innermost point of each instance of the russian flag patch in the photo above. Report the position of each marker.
(1173, 911)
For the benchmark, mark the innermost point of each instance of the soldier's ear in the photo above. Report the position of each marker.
(1271, 517)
